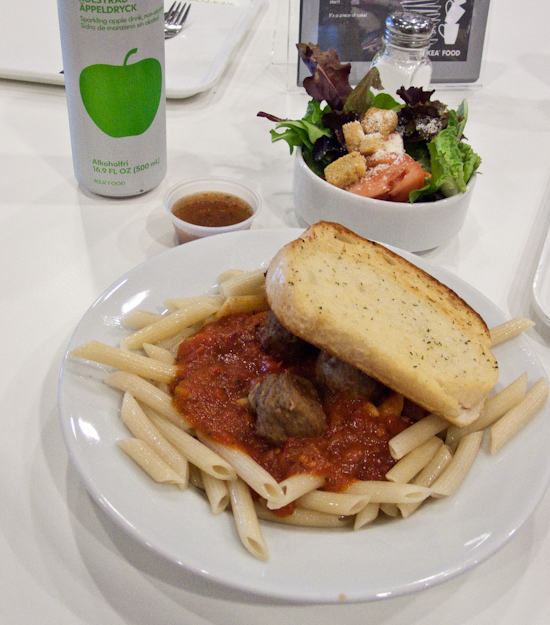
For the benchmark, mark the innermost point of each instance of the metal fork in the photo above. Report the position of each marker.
(174, 19)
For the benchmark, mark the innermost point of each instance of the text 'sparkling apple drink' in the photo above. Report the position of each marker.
(113, 61)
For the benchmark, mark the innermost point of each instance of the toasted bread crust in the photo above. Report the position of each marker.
(366, 305)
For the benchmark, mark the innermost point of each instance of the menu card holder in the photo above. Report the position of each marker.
(355, 28)
(284, 55)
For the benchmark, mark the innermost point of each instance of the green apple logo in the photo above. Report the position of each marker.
(122, 100)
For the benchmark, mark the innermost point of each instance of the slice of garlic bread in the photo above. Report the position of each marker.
(372, 308)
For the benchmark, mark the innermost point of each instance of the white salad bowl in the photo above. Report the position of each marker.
(413, 227)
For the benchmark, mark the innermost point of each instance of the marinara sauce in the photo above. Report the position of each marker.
(219, 366)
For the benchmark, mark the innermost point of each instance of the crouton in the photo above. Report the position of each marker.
(353, 133)
(371, 143)
(346, 170)
(379, 120)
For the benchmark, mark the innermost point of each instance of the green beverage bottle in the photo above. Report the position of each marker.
(113, 61)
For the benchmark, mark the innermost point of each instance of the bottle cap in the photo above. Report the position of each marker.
(407, 29)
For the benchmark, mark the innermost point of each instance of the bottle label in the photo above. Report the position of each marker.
(122, 100)
(113, 58)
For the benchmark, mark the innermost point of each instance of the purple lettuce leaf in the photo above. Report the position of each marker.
(330, 78)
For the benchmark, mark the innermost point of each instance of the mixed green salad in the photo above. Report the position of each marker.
(432, 133)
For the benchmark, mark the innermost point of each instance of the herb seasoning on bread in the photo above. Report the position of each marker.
(370, 307)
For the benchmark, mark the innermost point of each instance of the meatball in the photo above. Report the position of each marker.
(286, 406)
(280, 343)
(341, 377)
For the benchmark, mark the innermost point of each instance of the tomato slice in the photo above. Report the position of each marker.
(390, 176)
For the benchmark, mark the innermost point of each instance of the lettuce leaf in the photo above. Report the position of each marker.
(421, 118)
(330, 78)
(304, 133)
(452, 162)
(300, 132)
(361, 98)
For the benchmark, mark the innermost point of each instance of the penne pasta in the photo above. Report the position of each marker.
(516, 418)
(246, 519)
(163, 386)
(493, 409)
(243, 304)
(304, 518)
(389, 492)
(216, 491)
(171, 343)
(509, 330)
(413, 462)
(126, 361)
(138, 319)
(416, 434)
(294, 487)
(147, 394)
(248, 283)
(248, 470)
(458, 467)
(367, 515)
(159, 353)
(141, 427)
(427, 477)
(389, 509)
(230, 273)
(175, 303)
(170, 324)
(195, 477)
(333, 503)
(142, 454)
(434, 468)
(198, 454)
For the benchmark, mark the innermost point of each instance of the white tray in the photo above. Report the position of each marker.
(30, 48)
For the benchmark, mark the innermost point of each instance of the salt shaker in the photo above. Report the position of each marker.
(403, 60)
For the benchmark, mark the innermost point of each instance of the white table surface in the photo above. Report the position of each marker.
(62, 560)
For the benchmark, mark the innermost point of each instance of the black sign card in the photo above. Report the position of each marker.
(355, 29)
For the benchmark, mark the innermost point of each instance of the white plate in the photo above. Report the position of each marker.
(441, 540)
(195, 59)
(541, 282)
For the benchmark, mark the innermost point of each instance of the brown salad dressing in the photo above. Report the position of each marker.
(212, 209)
